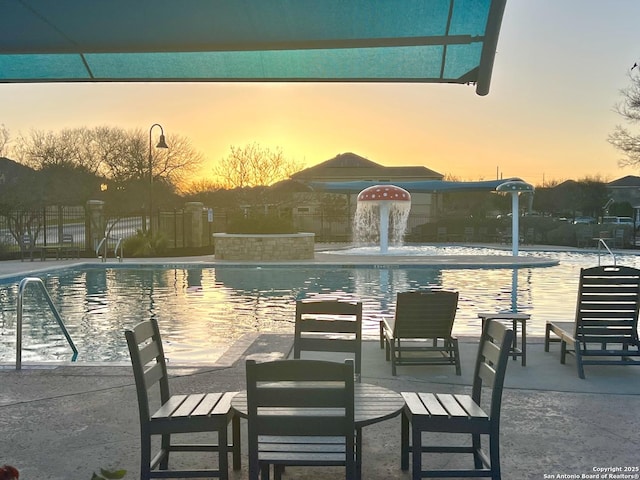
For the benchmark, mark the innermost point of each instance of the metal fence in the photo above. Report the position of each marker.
(23, 231)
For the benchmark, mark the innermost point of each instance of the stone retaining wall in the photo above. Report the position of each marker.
(295, 246)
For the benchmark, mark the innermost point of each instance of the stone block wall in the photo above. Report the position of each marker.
(273, 247)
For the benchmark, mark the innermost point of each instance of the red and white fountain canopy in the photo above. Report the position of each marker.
(378, 193)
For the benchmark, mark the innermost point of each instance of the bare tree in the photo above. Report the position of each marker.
(629, 108)
(112, 152)
(199, 186)
(4, 140)
(42, 149)
(252, 166)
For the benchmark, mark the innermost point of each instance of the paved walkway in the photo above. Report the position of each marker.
(65, 422)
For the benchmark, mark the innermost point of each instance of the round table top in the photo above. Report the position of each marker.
(372, 404)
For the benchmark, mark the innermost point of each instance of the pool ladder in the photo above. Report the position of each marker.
(103, 242)
(602, 243)
(21, 288)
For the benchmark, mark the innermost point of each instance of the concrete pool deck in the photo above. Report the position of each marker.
(67, 421)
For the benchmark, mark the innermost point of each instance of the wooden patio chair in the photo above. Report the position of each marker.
(300, 413)
(329, 326)
(454, 413)
(420, 333)
(605, 329)
(202, 412)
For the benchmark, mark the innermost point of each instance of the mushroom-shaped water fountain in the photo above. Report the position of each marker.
(382, 206)
(515, 188)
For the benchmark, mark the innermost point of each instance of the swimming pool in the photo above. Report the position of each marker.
(202, 309)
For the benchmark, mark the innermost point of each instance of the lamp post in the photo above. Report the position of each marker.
(161, 144)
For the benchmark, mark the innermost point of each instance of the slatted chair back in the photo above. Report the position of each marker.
(300, 412)
(607, 306)
(491, 365)
(329, 326)
(425, 314)
(149, 364)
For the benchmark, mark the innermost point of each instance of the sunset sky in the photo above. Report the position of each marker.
(559, 69)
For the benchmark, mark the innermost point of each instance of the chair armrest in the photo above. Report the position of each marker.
(386, 330)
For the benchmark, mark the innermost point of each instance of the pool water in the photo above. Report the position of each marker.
(202, 310)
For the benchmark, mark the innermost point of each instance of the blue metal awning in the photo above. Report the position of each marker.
(432, 41)
(423, 186)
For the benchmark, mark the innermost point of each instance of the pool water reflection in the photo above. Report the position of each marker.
(203, 310)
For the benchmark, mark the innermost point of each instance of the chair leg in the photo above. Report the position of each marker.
(404, 442)
(494, 454)
(416, 453)
(165, 444)
(235, 428)
(579, 360)
(358, 448)
(223, 453)
(145, 457)
(456, 352)
(277, 472)
(477, 445)
(392, 354)
(547, 335)
(265, 471)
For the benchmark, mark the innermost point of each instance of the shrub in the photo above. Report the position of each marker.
(143, 244)
(260, 224)
(109, 474)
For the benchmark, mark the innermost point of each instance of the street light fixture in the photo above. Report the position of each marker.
(161, 144)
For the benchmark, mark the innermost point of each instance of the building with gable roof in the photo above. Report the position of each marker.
(309, 210)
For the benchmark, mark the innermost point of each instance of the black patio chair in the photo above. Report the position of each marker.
(201, 412)
(300, 413)
(420, 333)
(447, 413)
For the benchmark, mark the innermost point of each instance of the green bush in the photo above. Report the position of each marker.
(143, 244)
(260, 224)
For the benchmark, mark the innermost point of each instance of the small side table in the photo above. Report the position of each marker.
(516, 318)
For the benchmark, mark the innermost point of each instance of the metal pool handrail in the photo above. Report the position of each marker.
(21, 288)
(115, 250)
(603, 243)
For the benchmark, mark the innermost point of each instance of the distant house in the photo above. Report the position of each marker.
(627, 189)
(349, 167)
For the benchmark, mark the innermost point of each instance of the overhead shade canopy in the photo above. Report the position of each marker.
(433, 41)
(418, 186)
